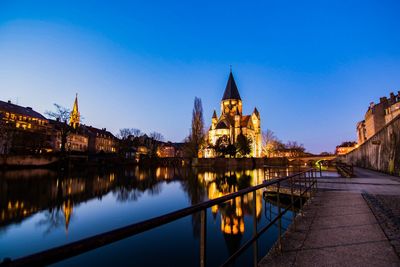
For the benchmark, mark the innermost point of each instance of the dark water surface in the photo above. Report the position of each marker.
(41, 209)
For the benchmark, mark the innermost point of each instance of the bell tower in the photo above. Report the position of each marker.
(231, 103)
(75, 117)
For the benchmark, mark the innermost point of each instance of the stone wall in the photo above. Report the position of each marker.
(25, 160)
(381, 152)
(228, 162)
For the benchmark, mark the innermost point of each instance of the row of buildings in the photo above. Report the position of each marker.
(377, 116)
(25, 130)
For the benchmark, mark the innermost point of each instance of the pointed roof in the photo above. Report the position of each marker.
(215, 115)
(75, 116)
(75, 108)
(256, 112)
(231, 91)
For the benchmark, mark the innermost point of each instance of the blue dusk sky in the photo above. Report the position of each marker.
(310, 67)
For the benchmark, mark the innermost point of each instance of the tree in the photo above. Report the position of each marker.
(348, 144)
(155, 140)
(221, 146)
(243, 145)
(62, 115)
(297, 149)
(270, 143)
(124, 133)
(196, 137)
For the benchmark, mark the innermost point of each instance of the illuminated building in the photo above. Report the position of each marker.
(75, 116)
(393, 110)
(232, 122)
(22, 130)
(377, 116)
(84, 138)
(101, 140)
(77, 138)
(342, 150)
(169, 150)
(22, 117)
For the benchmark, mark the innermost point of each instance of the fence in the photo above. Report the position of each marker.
(299, 186)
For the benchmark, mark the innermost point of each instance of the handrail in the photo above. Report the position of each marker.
(69, 250)
(345, 169)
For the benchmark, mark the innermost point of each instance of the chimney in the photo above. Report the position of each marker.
(382, 99)
(29, 108)
(371, 104)
(9, 101)
(392, 97)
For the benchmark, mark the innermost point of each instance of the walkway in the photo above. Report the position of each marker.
(338, 227)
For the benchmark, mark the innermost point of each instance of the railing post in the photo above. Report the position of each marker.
(320, 169)
(280, 219)
(255, 244)
(292, 203)
(301, 196)
(312, 183)
(309, 184)
(203, 235)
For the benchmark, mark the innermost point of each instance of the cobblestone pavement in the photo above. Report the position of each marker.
(341, 226)
(387, 212)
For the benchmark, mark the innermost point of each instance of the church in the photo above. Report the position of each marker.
(232, 123)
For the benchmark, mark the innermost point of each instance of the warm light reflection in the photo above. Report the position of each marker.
(233, 211)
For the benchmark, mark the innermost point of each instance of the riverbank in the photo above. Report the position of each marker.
(85, 160)
(339, 227)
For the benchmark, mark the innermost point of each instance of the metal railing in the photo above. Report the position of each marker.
(344, 169)
(300, 185)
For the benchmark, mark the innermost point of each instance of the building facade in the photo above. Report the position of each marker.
(101, 140)
(231, 123)
(22, 130)
(377, 116)
(22, 117)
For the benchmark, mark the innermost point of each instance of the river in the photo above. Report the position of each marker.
(41, 209)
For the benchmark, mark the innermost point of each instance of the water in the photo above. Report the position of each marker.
(41, 209)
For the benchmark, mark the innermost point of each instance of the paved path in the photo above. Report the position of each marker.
(338, 227)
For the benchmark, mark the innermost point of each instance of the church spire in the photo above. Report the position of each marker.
(75, 116)
(231, 91)
(215, 115)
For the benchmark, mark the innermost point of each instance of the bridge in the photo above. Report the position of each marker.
(315, 159)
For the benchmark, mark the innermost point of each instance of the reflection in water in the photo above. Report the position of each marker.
(24, 193)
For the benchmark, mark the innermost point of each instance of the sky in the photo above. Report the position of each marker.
(310, 67)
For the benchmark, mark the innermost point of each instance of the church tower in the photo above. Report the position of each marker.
(75, 117)
(231, 103)
(231, 122)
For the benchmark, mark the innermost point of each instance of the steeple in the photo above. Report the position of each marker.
(75, 116)
(214, 116)
(231, 91)
(255, 112)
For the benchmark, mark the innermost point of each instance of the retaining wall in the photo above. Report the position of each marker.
(381, 152)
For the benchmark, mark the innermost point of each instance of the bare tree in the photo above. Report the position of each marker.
(297, 149)
(155, 140)
(136, 132)
(156, 136)
(196, 137)
(124, 133)
(270, 142)
(62, 115)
